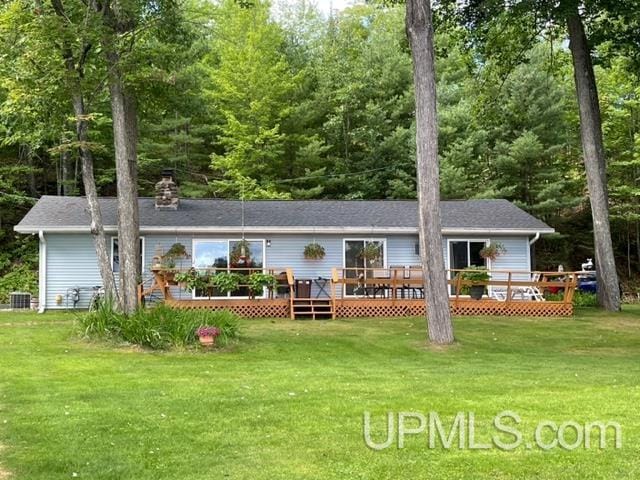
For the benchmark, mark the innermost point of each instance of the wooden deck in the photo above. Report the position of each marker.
(393, 295)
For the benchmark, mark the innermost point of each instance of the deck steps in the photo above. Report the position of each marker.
(313, 308)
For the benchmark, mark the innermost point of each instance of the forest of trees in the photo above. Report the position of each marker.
(279, 101)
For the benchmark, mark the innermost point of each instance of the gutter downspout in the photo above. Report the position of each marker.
(534, 239)
(532, 259)
(42, 273)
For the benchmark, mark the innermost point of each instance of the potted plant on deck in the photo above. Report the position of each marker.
(168, 260)
(191, 279)
(258, 281)
(477, 278)
(226, 282)
(207, 335)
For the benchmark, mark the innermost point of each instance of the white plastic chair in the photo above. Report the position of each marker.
(532, 291)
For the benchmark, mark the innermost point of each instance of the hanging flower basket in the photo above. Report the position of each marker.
(314, 251)
(493, 251)
(371, 252)
(240, 254)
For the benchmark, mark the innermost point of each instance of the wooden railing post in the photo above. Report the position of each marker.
(334, 286)
(291, 292)
(394, 285)
(509, 278)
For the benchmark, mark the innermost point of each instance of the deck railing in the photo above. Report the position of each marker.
(164, 278)
(390, 291)
(504, 285)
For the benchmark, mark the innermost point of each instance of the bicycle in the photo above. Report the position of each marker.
(97, 298)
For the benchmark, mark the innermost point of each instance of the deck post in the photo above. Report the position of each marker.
(291, 293)
(394, 285)
(334, 286)
(509, 278)
(458, 287)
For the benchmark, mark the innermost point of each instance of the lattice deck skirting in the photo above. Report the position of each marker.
(352, 308)
(410, 308)
(511, 309)
(259, 308)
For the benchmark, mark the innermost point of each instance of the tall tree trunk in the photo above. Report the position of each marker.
(629, 250)
(75, 69)
(125, 139)
(638, 244)
(594, 162)
(420, 32)
(26, 151)
(68, 180)
(91, 193)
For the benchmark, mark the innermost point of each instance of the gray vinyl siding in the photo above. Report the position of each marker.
(71, 262)
(71, 259)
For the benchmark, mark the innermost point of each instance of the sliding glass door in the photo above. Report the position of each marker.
(355, 262)
(464, 254)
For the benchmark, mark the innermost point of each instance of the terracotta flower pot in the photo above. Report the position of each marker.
(207, 340)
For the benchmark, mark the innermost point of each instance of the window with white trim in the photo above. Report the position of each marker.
(227, 255)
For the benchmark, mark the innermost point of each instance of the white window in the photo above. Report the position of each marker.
(115, 255)
(231, 256)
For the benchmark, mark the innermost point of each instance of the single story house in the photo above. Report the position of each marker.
(277, 232)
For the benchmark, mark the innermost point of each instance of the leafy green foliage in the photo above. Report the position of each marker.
(475, 274)
(258, 281)
(226, 282)
(158, 328)
(580, 299)
(18, 266)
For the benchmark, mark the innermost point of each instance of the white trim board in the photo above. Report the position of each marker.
(111, 229)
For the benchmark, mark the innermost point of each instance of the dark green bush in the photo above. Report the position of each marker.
(585, 299)
(580, 299)
(158, 328)
(21, 278)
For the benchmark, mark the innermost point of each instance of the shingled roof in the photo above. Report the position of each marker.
(52, 213)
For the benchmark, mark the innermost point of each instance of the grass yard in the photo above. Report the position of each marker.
(287, 402)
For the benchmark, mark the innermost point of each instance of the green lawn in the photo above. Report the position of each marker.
(287, 402)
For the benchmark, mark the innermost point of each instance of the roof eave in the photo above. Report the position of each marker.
(298, 230)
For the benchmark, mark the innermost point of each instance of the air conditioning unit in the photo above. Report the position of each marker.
(19, 300)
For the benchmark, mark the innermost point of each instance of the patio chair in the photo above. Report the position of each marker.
(499, 294)
(532, 291)
(380, 273)
(415, 272)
